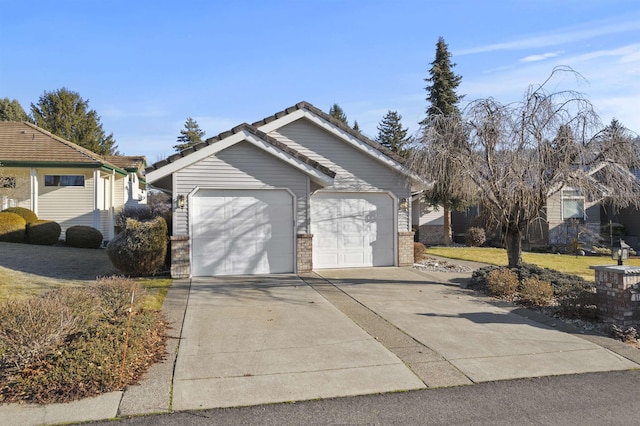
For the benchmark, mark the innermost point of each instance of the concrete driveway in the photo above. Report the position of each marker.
(483, 341)
(252, 340)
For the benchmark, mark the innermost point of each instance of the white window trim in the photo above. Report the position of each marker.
(564, 197)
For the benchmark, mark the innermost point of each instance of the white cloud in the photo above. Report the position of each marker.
(554, 38)
(541, 57)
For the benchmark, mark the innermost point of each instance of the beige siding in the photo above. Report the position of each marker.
(241, 166)
(70, 205)
(355, 171)
(22, 192)
(120, 188)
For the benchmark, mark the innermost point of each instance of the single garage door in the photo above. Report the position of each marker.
(352, 229)
(242, 232)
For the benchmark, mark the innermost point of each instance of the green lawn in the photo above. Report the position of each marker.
(578, 265)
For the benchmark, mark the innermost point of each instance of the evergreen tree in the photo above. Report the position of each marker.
(391, 134)
(443, 102)
(11, 110)
(64, 113)
(441, 91)
(356, 127)
(336, 112)
(190, 135)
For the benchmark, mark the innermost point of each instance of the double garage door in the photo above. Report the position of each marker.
(251, 231)
(242, 232)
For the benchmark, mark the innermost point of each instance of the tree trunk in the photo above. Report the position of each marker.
(447, 226)
(513, 242)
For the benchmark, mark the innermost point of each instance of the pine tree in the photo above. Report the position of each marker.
(64, 113)
(11, 110)
(356, 126)
(336, 112)
(391, 134)
(190, 135)
(441, 92)
(443, 102)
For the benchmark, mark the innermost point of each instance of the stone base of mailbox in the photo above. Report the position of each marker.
(618, 293)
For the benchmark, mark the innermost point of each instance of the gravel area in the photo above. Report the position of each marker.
(432, 264)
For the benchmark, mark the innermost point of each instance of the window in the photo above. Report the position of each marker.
(63, 180)
(572, 204)
(7, 182)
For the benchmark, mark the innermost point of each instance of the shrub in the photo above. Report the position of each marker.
(28, 215)
(502, 282)
(43, 232)
(12, 227)
(578, 300)
(89, 360)
(535, 292)
(83, 237)
(31, 328)
(558, 280)
(475, 237)
(419, 252)
(140, 248)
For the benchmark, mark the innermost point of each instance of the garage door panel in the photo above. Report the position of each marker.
(352, 229)
(242, 232)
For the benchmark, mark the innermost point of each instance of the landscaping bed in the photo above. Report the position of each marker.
(64, 325)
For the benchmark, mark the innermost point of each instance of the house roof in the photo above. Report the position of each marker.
(25, 144)
(243, 132)
(382, 153)
(343, 126)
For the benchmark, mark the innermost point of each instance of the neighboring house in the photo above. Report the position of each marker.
(296, 191)
(64, 182)
(567, 218)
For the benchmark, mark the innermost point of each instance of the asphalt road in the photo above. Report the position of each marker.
(586, 399)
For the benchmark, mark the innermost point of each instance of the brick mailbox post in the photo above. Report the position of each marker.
(618, 293)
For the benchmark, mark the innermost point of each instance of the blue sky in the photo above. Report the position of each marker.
(147, 66)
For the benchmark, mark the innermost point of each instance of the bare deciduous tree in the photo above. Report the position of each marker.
(514, 157)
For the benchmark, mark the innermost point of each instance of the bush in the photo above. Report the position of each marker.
(558, 280)
(43, 232)
(419, 252)
(88, 361)
(28, 215)
(502, 282)
(578, 300)
(83, 237)
(31, 328)
(12, 227)
(535, 292)
(475, 237)
(140, 249)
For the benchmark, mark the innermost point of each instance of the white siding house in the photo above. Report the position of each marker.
(64, 182)
(312, 193)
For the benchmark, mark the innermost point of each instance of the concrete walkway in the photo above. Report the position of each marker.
(252, 340)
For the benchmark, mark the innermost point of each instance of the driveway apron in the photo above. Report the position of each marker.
(250, 340)
(483, 341)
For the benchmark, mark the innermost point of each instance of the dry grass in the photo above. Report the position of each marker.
(569, 264)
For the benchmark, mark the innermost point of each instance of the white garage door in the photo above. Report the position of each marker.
(241, 232)
(352, 229)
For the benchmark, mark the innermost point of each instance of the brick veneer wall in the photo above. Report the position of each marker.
(618, 293)
(180, 262)
(431, 235)
(304, 253)
(405, 248)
